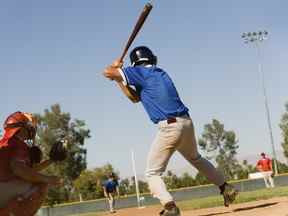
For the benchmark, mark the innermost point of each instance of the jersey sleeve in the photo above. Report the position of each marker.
(134, 77)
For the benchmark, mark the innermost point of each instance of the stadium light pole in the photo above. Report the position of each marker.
(256, 38)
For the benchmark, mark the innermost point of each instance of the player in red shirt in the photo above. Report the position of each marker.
(22, 187)
(264, 165)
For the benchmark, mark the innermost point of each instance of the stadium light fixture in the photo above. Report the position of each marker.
(256, 38)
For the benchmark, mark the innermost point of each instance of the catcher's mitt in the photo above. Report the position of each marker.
(58, 151)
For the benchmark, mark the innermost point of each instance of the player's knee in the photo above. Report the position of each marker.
(155, 169)
(151, 173)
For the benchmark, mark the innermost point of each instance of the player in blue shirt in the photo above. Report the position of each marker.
(111, 189)
(156, 91)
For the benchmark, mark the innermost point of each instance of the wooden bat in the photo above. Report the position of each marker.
(147, 8)
(128, 91)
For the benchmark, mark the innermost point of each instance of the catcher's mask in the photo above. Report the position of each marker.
(19, 120)
(142, 54)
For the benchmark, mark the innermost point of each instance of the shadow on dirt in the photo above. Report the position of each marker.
(241, 209)
(255, 207)
(214, 214)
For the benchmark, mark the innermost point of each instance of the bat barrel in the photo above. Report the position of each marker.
(147, 8)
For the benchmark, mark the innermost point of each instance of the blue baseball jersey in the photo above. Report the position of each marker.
(110, 185)
(156, 91)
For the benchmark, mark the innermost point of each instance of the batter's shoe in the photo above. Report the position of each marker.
(171, 212)
(229, 193)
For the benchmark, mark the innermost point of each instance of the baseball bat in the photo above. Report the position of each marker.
(147, 8)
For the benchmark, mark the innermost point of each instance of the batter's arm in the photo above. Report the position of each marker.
(113, 72)
(129, 92)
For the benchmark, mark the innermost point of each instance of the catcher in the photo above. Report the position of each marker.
(23, 188)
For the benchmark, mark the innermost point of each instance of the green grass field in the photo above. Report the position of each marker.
(243, 197)
(215, 201)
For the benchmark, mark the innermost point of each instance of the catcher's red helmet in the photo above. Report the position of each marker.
(19, 120)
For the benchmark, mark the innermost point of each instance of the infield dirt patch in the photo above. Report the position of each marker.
(270, 207)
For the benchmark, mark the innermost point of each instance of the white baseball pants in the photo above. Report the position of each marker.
(178, 136)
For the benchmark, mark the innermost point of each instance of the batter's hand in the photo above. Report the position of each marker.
(111, 72)
(117, 63)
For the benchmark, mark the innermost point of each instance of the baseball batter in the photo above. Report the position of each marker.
(157, 92)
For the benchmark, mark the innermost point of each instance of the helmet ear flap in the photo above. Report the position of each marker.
(155, 60)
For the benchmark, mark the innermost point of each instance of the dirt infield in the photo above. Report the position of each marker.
(271, 207)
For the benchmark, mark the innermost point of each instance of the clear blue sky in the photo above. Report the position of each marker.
(54, 52)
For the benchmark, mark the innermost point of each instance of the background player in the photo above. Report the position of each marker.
(111, 189)
(264, 165)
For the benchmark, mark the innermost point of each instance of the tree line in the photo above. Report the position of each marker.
(218, 144)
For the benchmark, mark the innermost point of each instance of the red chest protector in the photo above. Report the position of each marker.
(18, 206)
(12, 149)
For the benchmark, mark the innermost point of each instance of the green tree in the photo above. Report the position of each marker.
(282, 167)
(90, 183)
(124, 187)
(220, 145)
(284, 129)
(143, 186)
(244, 169)
(86, 185)
(55, 125)
(200, 179)
(171, 180)
(187, 180)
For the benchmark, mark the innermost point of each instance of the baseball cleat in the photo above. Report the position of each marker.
(172, 212)
(229, 194)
